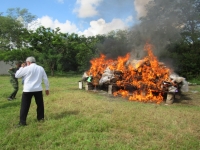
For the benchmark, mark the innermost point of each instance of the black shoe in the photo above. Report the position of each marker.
(41, 120)
(21, 125)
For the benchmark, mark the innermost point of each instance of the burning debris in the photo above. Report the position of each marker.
(146, 80)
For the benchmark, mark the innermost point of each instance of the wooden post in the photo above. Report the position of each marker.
(170, 98)
(109, 89)
(80, 85)
(86, 87)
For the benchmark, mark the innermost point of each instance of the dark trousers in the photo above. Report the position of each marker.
(14, 93)
(26, 102)
(15, 88)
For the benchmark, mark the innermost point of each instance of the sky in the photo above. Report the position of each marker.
(84, 17)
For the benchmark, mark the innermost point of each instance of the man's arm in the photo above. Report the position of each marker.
(21, 72)
(46, 83)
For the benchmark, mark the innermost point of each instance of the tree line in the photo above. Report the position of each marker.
(173, 27)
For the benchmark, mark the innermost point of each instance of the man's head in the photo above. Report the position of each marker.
(30, 60)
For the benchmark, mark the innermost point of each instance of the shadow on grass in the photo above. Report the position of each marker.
(182, 99)
(186, 97)
(64, 114)
(10, 104)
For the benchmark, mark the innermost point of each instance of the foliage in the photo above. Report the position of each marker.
(68, 62)
(50, 44)
(22, 15)
(14, 38)
(186, 57)
(87, 49)
(16, 55)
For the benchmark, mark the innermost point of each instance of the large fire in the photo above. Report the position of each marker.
(145, 77)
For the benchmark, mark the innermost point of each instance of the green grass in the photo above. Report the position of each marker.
(195, 81)
(87, 120)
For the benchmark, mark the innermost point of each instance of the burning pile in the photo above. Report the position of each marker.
(145, 80)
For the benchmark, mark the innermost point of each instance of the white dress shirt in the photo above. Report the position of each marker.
(33, 76)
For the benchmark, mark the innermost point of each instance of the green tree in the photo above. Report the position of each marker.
(22, 15)
(87, 49)
(16, 55)
(79, 51)
(12, 33)
(186, 52)
(50, 45)
(186, 58)
(14, 29)
(68, 61)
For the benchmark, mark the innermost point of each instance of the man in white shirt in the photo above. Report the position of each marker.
(33, 75)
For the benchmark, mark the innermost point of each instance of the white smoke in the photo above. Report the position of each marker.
(140, 7)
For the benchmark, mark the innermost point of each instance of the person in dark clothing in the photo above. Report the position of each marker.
(14, 81)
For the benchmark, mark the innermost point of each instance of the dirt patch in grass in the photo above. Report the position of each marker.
(192, 97)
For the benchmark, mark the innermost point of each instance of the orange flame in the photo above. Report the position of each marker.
(146, 76)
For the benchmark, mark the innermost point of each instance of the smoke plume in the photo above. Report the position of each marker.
(140, 7)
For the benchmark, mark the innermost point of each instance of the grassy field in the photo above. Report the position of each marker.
(87, 120)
